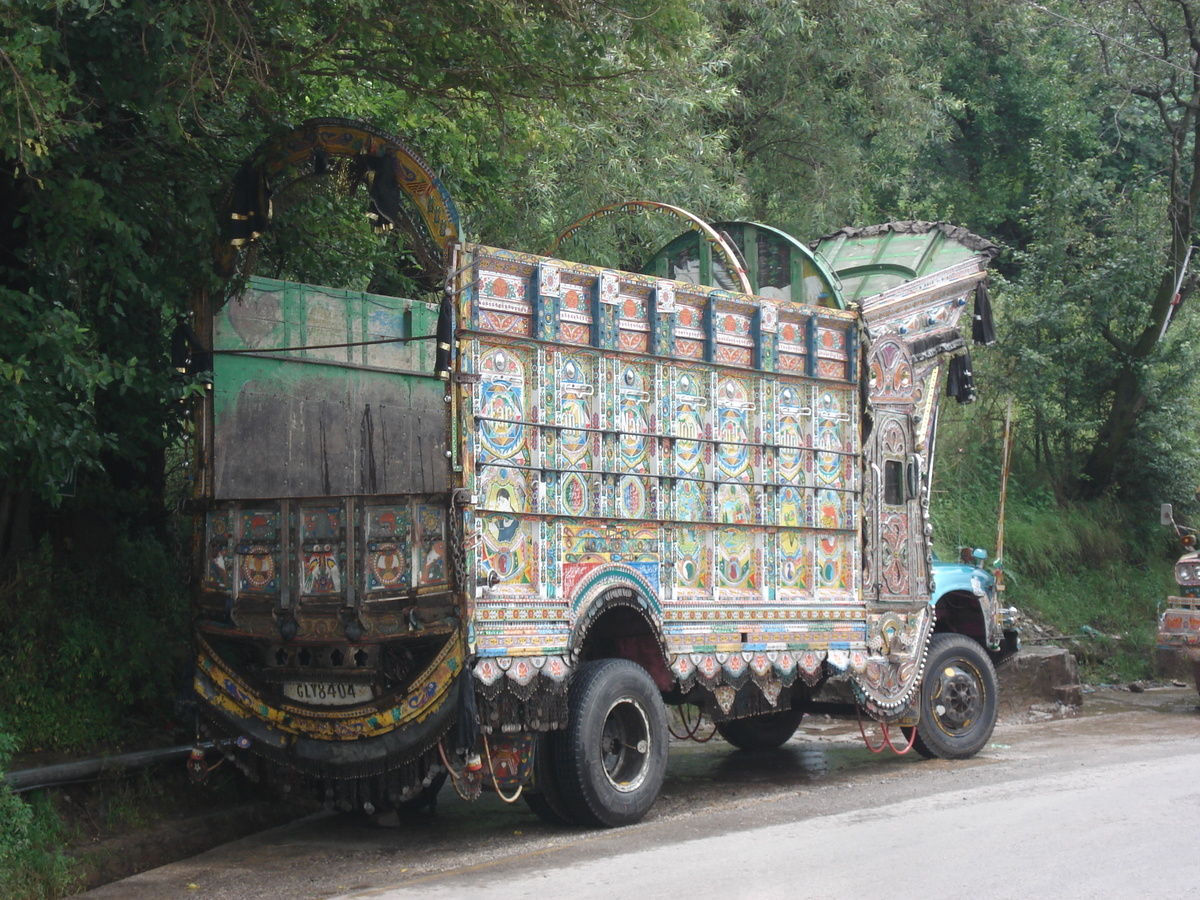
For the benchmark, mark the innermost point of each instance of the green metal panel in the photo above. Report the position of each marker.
(312, 396)
(778, 266)
(872, 260)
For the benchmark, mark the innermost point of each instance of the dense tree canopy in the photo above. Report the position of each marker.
(1068, 132)
(121, 121)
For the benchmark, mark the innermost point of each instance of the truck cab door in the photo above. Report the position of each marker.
(897, 547)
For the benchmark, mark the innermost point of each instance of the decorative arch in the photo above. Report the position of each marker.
(620, 597)
(608, 587)
(392, 171)
(719, 245)
(778, 266)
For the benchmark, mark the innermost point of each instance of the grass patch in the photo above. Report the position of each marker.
(91, 646)
(90, 643)
(32, 863)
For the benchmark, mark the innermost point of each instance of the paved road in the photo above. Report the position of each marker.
(1105, 804)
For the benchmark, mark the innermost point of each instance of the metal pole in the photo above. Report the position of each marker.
(1007, 457)
(94, 769)
(1175, 297)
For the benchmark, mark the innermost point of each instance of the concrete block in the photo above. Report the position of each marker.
(1069, 694)
(1033, 676)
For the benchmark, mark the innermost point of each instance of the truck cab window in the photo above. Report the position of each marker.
(893, 482)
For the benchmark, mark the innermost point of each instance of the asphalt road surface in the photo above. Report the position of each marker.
(1105, 803)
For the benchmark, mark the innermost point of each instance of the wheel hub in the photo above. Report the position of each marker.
(959, 699)
(625, 745)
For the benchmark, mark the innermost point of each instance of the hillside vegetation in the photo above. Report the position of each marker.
(1092, 571)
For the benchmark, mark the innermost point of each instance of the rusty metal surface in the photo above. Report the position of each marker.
(308, 402)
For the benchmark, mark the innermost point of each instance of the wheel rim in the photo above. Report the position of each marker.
(625, 745)
(957, 698)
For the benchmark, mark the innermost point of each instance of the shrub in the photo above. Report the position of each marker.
(31, 865)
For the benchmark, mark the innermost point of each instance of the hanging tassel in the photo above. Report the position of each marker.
(467, 727)
(320, 161)
(445, 338)
(983, 330)
(960, 384)
(249, 206)
(383, 189)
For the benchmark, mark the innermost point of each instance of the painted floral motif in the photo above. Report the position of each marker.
(502, 406)
(735, 560)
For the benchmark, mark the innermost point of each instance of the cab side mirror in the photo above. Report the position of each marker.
(1165, 514)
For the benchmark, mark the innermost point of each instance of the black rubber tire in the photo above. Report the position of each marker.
(543, 794)
(761, 732)
(612, 758)
(958, 699)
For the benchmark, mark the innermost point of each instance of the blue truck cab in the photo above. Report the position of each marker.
(967, 600)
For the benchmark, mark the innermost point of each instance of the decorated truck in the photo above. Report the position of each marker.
(495, 531)
(1179, 621)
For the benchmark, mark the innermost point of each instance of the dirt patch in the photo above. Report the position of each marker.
(122, 826)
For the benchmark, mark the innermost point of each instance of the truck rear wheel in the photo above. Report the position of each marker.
(761, 732)
(958, 699)
(544, 794)
(612, 758)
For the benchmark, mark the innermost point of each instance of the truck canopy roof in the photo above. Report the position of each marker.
(872, 260)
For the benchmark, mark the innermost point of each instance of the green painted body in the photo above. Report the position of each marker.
(356, 412)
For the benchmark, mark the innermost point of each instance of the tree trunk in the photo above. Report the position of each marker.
(1129, 396)
(1099, 472)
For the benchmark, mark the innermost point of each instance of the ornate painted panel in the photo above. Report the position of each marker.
(258, 552)
(723, 493)
(218, 542)
(574, 405)
(738, 453)
(322, 551)
(430, 545)
(389, 547)
(688, 412)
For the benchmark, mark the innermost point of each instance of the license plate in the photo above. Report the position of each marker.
(327, 693)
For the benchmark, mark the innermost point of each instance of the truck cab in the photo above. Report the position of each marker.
(1178, 643)
(967, 600)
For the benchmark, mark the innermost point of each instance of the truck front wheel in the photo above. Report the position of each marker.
(958, 699)
(613, 756)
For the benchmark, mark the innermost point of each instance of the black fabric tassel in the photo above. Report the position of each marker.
(442, 356)
(928, 346)
(188, 356)
(960, 384)
(983, 330)
(249, 206)
(466, 730)
(320, 161)
(383, 207)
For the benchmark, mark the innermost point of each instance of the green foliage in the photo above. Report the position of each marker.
(31, 864)
(833, 99)
(1097, 568)
(90, 647)
(49, 380)
(1009, 81)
